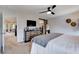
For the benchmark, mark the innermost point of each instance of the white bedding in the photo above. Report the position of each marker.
(60, 45)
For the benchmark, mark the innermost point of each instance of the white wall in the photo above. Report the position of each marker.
(58, 24)
(21, 21)
(21, 24)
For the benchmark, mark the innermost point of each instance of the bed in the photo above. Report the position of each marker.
(62, 44)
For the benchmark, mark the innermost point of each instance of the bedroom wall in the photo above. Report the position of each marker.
(58, 24)
(21, 24)
(21, 21)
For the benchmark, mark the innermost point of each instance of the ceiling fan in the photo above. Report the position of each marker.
(49, 10)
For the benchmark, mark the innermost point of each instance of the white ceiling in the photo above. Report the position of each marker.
(35, 9)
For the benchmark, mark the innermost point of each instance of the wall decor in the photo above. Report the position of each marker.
(73, 24)
(68, 20)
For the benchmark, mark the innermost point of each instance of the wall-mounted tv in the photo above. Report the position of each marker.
(31, 23)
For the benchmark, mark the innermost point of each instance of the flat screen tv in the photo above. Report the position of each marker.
(31, 23)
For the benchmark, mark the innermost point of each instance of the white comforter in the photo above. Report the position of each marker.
(63, 44)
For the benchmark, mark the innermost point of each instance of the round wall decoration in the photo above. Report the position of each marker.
(68, 20)
(73, 24)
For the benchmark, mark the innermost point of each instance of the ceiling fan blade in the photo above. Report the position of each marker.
(52, 13)
(43, 11)
(53, 6)
(49, 8)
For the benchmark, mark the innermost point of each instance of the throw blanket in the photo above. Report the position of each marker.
(44, 39)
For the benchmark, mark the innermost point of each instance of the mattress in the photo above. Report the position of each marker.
(65, 44)
(44, 39)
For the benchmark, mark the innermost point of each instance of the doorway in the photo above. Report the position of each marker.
(44, 25)
(10, 36)
(10, 25)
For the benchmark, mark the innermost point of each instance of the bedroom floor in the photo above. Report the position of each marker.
(13, 47)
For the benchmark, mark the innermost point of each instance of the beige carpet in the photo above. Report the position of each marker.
(13, 47)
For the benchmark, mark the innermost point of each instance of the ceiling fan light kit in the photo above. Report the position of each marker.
(49, 12)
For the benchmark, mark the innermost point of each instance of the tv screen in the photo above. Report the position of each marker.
(31, 23)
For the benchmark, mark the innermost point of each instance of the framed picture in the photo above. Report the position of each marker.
(73, 24)
(68, 20)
